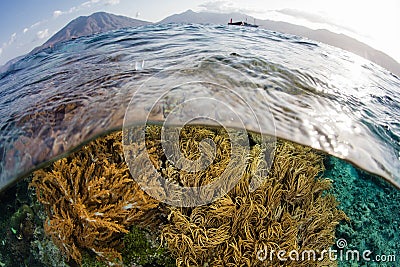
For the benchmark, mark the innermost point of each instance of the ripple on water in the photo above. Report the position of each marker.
(320, 96)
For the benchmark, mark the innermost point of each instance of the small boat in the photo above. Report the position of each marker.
(242, 23)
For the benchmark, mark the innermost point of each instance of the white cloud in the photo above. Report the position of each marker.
(57, 13)
(25, 30)
(217, 6)
(86, 4)
(12, 38)
(222, 6)
(35, 24)
(43, 34)
(315, 18)
(72, 9)
(112, 2)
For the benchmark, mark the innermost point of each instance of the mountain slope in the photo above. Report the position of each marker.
(339, 40)
(87, 25)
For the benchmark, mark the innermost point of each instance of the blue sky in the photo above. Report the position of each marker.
(27, 24)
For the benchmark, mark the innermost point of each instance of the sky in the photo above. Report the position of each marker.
(27, 24)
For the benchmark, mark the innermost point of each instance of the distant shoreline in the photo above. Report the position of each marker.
(102, 22)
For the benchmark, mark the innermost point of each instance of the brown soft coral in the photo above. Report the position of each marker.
(287, 212)
(91, 199)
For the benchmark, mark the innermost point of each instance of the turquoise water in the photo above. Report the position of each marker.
(319, 96)
(373, 209)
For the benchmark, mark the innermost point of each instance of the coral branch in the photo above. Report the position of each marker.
(91, 199)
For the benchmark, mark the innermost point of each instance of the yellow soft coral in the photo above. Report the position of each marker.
(91, 199)
(287, 212)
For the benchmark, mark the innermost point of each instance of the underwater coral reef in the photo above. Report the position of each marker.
(92, 201)
(287, 212)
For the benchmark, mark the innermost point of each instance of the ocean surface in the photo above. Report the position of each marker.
(318, 95)
(277, 84)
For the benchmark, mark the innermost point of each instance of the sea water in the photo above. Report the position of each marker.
(318, 95)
